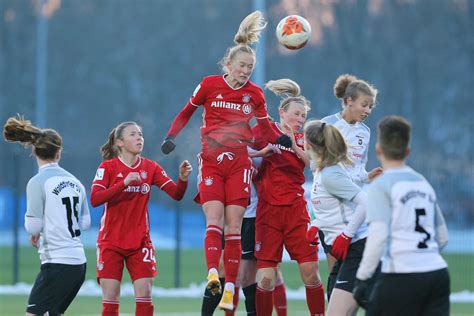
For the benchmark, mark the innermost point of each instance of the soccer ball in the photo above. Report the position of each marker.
(293, 32)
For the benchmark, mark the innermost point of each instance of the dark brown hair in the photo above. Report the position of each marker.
(349, 86)
(109, 150)
(46, 142)
(394, 136)
(325, 144)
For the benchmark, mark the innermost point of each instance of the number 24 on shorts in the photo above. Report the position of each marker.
(149, 255)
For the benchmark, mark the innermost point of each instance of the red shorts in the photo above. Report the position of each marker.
(225, 175)
(140, 262)
(278, 225)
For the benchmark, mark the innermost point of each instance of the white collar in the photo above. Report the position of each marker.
(49, 165)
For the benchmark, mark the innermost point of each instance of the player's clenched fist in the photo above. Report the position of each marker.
(132, 177)
(312, 235)
(185, 170)
(168, 145)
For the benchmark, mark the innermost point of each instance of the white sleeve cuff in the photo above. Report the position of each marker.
(374, 246)
(85, 222)
(359, 215)
(33, 225)
(442, 236)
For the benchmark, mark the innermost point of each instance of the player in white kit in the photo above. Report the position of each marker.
(358, 99)
(407, 231)
(339, 208)
(56, 212)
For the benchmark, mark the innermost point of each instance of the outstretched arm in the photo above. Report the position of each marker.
(178, 124)
(181, 119)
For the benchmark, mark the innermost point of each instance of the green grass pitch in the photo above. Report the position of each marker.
(193, 270)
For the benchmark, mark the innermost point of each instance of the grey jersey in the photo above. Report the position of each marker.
(331, 196)
(357, 137)
(57, 198)
(406, 202)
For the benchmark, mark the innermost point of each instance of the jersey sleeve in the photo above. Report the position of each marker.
(160, 177)
(259, 141)
(379, 206)
(102, 176)
(199, 95)
(260, 107)
(102, 190)
(85, 217)
(34, 199)
(338, 183)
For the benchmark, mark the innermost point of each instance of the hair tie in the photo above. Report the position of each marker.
(322, 126)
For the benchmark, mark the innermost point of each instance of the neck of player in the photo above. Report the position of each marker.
(231, 81)
(129, 158)
(392, 164)
(347, 117)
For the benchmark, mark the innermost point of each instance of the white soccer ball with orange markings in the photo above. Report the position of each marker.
(293, 32)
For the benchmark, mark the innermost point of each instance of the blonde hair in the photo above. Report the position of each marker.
(248, 33)
(325, 144)
(110, 150)
(349, 86)
(46, 142)
(289, 91)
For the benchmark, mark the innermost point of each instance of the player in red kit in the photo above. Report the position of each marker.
(122, 182)
(282, 214)
(225, 169)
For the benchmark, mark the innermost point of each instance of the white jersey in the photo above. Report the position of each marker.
(357, 137)
(406, 202)
(331, 196)
(57, 198)
(251, 210)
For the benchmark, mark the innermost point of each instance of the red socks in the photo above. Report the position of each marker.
(143, 306)
(232, 254)
(110, 308)
(315, 299)
(264, 302)
(279, 299)
(236, 302)
(213, 246)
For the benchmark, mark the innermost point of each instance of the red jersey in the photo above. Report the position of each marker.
(124, 222)
(227, 113)
(281, 176)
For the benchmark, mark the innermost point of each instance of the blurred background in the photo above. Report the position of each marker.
(82, 67)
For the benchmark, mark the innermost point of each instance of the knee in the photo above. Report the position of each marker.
(266, 278)
(111, 293)
(232, 229)
(143, 287)
(247, 279)
(310, 274)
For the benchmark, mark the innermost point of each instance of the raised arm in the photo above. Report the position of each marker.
(178, 124)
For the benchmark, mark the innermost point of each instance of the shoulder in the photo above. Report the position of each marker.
(364, 127)
(252, 85)
(109, 163)
(254, 88)
(211, 80)
(148, 163)
(35, 181)
(70, 175)
(331, 119)
(332, 170)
